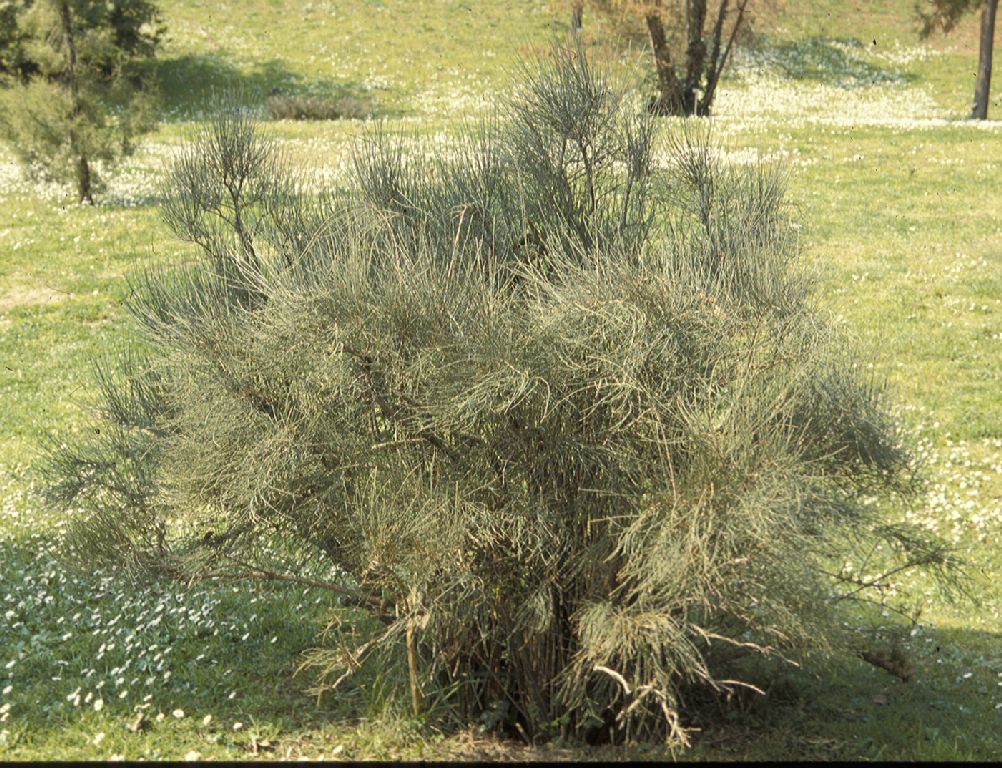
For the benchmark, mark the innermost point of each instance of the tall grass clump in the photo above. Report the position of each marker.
(552, 411)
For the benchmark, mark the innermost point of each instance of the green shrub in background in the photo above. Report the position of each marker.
(298, 107)
(551, 407)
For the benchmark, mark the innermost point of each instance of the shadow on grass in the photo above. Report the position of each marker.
(842, 708)
(839, 61)
(70, 638)
(83, 651)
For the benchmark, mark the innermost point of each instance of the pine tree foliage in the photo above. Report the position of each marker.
(134, 28)
(74, 93)
(554, 408)
(12, 55)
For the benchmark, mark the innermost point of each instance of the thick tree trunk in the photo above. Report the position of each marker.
(83, 181)
(695, 53)
(982, 87)
(577, 15)
(71, 84)
(669, 100)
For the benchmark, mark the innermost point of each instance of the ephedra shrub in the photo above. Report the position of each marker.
(551, 406)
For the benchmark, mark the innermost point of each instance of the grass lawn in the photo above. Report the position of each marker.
(898, 206)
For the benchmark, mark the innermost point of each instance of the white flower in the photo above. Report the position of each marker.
(99, 705)
(178, 713)
(160, 717)
(98, 738)
(207, 719)
(8, 689)
(237, 725)
(192, 756)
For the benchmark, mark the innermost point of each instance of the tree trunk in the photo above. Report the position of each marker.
(695, 53)
(669, 100)
(718, 58)
(713, 63)
(981, 88)
(71, 84)
(577, 15)
(703, 65)
(83, 181)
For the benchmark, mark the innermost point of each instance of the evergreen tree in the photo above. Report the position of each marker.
(74, 94)
(12, 55)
